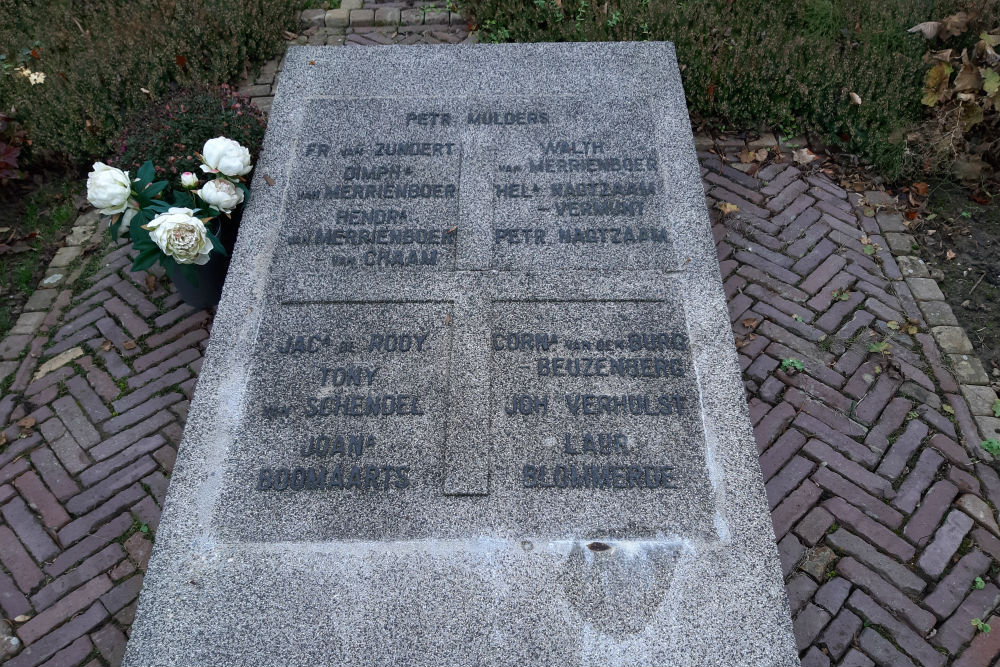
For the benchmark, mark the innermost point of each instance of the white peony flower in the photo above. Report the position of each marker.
(189, 180)
(226, 157)
(108, 189)
(181, 235)
(221, 194)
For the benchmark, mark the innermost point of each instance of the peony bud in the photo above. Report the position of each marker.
(189, 180)
(108, 189)
(225, 156)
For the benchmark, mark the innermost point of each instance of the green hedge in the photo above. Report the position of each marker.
(765, 64)
(104, 59)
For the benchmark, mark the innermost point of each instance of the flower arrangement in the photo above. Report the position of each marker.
(178, 229)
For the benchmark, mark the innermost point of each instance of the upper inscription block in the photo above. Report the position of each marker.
(472, 183)
(471, 390)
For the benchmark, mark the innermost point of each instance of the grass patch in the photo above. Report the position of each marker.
(44, 218)
(104, 59)
(757, 64)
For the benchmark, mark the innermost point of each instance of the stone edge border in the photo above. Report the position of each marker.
(38, 311)
(352, 13)
(973, 381)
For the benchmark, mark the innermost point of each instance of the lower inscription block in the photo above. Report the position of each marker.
(595, 420)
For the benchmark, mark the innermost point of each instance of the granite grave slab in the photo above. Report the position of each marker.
(471, 395)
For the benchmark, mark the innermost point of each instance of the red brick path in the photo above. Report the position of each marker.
(89, 448)
(880, 504)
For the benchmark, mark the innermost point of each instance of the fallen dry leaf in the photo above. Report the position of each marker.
(750, 323)
(26, 423)
(269, 180)
(911, 215)
(920, 188)
(22, 618)
(726, 207)
(746, 156)
(950, 255)
(968, 78)
(929, 29)
(129, 345)
(803, 156)
(760, 155)
(106, 345)
(954, 25)
(936, 84)
(150, 282)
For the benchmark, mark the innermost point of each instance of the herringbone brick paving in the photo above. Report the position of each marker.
(881, 498)
(882, 502)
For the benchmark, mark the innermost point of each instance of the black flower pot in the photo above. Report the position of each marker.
(210, 276)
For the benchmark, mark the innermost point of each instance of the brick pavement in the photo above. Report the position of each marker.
(882, 501)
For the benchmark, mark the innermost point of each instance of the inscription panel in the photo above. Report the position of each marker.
(592, 423)
(595, 419)
(588, 189)
(347, 423)
(385, 201)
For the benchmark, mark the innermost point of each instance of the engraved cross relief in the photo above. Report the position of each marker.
(528, 255)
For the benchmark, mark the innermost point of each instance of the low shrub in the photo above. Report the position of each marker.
(102, 59)
(171, 131)
(760, 64)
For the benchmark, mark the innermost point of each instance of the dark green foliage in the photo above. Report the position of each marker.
(765, 64)
(170, 132)
(104, 59)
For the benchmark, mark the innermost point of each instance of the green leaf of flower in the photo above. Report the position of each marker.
(183, 199)
(146, 258)
(154, 189)
(216, 244)
(146, 173)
